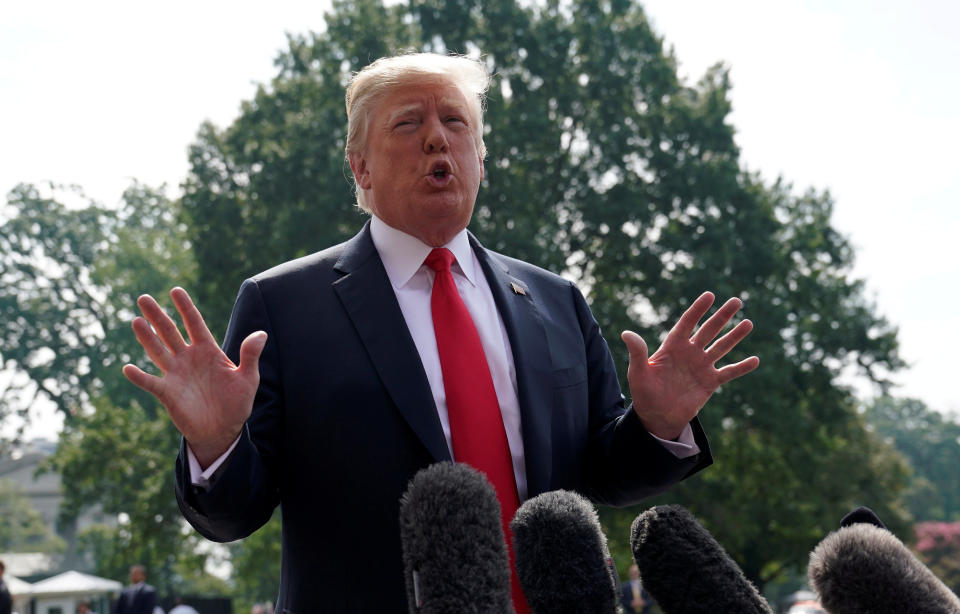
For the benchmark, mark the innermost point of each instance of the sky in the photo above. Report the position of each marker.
(855, 97)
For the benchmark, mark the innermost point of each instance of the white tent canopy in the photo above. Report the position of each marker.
(74, 583)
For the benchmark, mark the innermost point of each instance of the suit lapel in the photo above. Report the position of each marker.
(369, 300)
(528, 343)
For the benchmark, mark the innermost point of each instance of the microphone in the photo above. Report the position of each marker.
(454, 554)
(684, 568)
(864, 568)
(561, 556)
(862, 514)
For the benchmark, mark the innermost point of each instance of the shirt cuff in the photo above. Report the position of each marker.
(204, 478)
(684, 446)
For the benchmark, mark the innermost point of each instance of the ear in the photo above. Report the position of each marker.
(361, 173)
(483, 169)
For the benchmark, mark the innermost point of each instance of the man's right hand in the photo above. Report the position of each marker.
(207, 396)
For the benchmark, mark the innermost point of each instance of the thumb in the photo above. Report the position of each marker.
(250, 351)
(637, 348)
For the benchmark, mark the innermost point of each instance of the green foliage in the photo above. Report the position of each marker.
(69, 278)
(256, 565)
(49, 305)
(148, 253)
(605, 166)
(21, 526)
(273, 185)
(931, 443)
(72, 275)
(135, 486)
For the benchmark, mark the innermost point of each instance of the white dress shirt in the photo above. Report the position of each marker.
(412, 281)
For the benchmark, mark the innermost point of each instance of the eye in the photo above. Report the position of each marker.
(455, 119)
(405, 125)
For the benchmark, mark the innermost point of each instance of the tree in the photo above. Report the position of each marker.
(272, 186)
(135, 486)
(69, 278)
(51, 312)
(256, 565)
(72, 275)
(21, 526)
(931, 443)
(604, 166)
(645, 203)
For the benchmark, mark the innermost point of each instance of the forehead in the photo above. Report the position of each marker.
(417, 95)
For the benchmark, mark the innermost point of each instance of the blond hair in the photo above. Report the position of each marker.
(376, 81)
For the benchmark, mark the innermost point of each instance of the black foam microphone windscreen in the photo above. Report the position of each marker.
(684, 568)
(561, 556)
(863, 568)
(861, 515)
(454, 554)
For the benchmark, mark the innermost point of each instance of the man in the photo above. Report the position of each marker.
(6, 600)
(346, 372)
(633, 597)
(139, 597)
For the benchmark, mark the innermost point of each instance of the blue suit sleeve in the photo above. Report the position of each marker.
(625, 463)
(244, 494)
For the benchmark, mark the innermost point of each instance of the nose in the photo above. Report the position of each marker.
(435, 140)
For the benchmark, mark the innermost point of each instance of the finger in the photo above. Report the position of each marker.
(157, 352)
(731, 372)
(192, 320)
(143, 380)
(637, 347)
(715, 323)
(162, 323)
(685, 325)
(250, 351)
(727, 342)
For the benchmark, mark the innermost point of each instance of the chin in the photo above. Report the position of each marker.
(440, 227)
(446, 207)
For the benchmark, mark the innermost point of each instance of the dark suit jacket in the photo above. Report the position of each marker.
(6, 600)
(344, 418)
(626, 598)
(136, 600)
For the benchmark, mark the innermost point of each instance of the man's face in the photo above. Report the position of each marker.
(421, 168)
(136, 575)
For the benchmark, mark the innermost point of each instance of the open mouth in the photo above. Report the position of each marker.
(440, 171)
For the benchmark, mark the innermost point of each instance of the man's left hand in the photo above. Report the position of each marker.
(670, 387)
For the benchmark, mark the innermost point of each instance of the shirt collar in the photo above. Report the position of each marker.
(403, 254)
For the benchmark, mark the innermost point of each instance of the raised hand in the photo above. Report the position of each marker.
(207, 396)
(670, 387)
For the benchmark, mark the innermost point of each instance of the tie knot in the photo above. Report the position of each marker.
(439, 259)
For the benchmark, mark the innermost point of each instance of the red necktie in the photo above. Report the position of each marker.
(476, 426)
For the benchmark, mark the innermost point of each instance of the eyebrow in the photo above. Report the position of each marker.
(405, 109)
(445, 104)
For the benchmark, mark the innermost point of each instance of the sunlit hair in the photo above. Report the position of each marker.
(371, 85)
